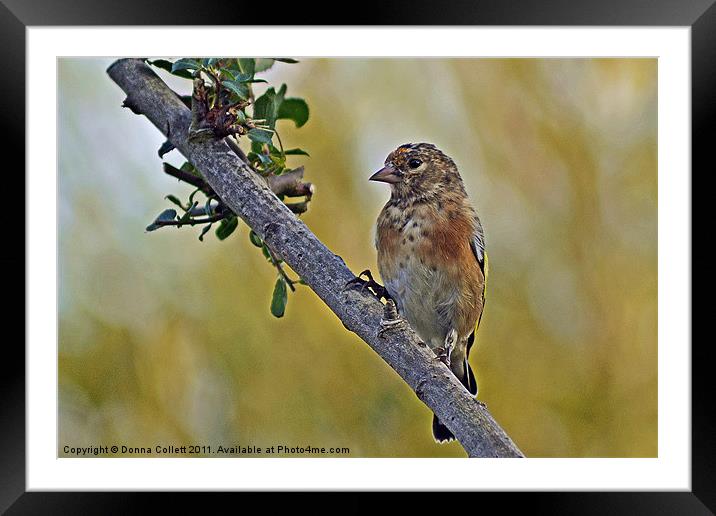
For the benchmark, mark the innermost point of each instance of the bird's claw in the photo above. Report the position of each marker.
(378, 290)
(442, 355)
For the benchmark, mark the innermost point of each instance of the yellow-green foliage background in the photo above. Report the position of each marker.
(164, 339)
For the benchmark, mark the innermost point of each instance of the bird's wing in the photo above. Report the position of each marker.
(478, 248)
(477, 244)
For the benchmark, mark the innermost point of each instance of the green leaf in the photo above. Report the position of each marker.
(167, 215)
(255, 239)
(267, 105)
(168, 65)
(243, 77)
(187, 216)
(265, 252)
(247, 65)
(166, 147)
(175, 200)
(264, 159)
(285, 60)
(260, 135)
(239, 88)
(191, 197)
(204, 232)
(164, 64)
(296, 152)
(263, 64)
(294, 109)
(164, 216)
(279, 298)
(190, 169)
(186, 64)
(226, 227)
(246, 77)
(264, 108)
(279, 161)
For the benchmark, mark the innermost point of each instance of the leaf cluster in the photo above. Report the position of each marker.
(232, 109)
(230, 85)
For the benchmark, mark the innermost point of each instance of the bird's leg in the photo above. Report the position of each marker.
(443, 353)
(377, 289)
(390, 319)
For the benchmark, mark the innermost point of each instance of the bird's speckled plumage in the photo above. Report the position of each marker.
(431, 255)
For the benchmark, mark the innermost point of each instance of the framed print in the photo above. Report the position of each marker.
(195, 227)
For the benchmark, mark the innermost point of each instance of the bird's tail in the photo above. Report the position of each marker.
(441, 433)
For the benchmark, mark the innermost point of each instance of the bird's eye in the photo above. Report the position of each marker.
(414, 163)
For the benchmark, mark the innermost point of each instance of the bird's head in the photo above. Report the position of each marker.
(418, 170)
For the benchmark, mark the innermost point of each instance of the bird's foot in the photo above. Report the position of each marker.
(375, 288)
(443, 352)
(442, 355)
(391, 320)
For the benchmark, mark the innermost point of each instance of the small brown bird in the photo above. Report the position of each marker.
(431, 256)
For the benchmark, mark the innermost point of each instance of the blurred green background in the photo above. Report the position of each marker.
(167, 340)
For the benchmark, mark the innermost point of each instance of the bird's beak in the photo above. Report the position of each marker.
(387, 174)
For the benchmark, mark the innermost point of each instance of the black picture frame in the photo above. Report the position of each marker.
(16, 15)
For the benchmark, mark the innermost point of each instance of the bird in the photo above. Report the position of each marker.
(431, 256)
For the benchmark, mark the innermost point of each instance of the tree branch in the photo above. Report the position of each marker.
(248, 195)
(187, 178)
(190, 222)
(290, 184)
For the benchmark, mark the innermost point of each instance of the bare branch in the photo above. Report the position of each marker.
(248, 195)
(189, 222)
(234, 146)
(187, 178)
(290, 184)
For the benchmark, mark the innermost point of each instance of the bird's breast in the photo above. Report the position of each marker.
(428, 268)
(411, 274)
